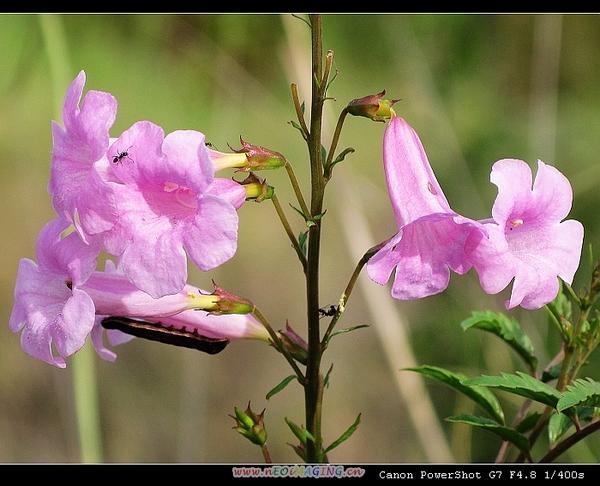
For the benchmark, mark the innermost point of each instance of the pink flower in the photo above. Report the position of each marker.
(77, 190)
(431, 236)
(231, 326)
(527, 240)
(168, 205)
(50, 308)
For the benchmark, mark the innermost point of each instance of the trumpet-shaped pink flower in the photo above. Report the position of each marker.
(167, 206)
(527, 240)
(136, 306)
(77, 190)
(431, 236)
(50, 308)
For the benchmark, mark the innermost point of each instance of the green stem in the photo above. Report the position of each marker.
(86, 404)
(334, 142)
(570, 441)
(348, 291)
(289, 231)
(85, 386)
(278, 343)
(313, 388)
(296, 187)
(299, 113)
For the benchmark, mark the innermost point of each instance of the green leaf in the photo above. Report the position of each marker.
(297, 127)
(277, 388)
(341, 156)
(480, 395)
(552, 373)
(502, 431)
(557, 426)
(528, 422)
(520, 384)
(300, 432)
(506, 329)
(302, 239)
(344, 331)
(580, 392)
(323, 154)
(345, 436)
(326, 379)
(303, 107)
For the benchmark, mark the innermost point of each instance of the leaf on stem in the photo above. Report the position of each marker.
(520, 384)
(302, 239)
(345, 436)
(528, 422)
(301, 433)
(326, 380)
(506, 329)
(506, 433)
(344, 331)
(558, 425)
(280, 386)
(479, 394)
(580, 392)
(552, 373)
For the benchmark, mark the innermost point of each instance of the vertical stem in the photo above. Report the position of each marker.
(86, 404)
(85, 388)
(313, 388)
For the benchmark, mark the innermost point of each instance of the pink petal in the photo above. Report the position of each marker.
(414, 191)
(68, 256)
(211, 239)
(188, 161)
(381, 265)
(155, 261)
(513, 178)
(72, 326)
(229, 190)
(552, 192)
(97, 336)
(144, 160)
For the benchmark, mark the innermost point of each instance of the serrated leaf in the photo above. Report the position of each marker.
(479, 394)
(302, 239)
(506, 329)
(506, 433)
(520, 384)
(345, 436)
(344, 331)
(528, 422)
(558, 425)
(300, 432)
(580, 392)
(280, 386)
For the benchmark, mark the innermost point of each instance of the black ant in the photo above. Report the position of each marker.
(121, 155)
(328, 312)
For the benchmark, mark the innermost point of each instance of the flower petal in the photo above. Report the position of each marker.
(229, 190)
(68, 256)
(381, 265)
(211, 239)
(552, 192)
(513, 178)
(188, 161)
(414, 191)
(72, 326)
(97, 336)
(155, 261)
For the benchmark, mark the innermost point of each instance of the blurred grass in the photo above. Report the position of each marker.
(466, 86)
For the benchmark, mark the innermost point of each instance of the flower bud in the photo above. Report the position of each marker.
(296, 346)
(221, 302)
(250, 425)
(257, 189)
(373, 107)
(249, 157)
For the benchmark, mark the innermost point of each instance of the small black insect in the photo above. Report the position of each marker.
(328, 312)
(121, 155)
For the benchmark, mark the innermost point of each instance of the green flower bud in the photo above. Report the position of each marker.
(373, 107)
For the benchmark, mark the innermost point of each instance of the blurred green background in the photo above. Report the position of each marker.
(477, 88)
